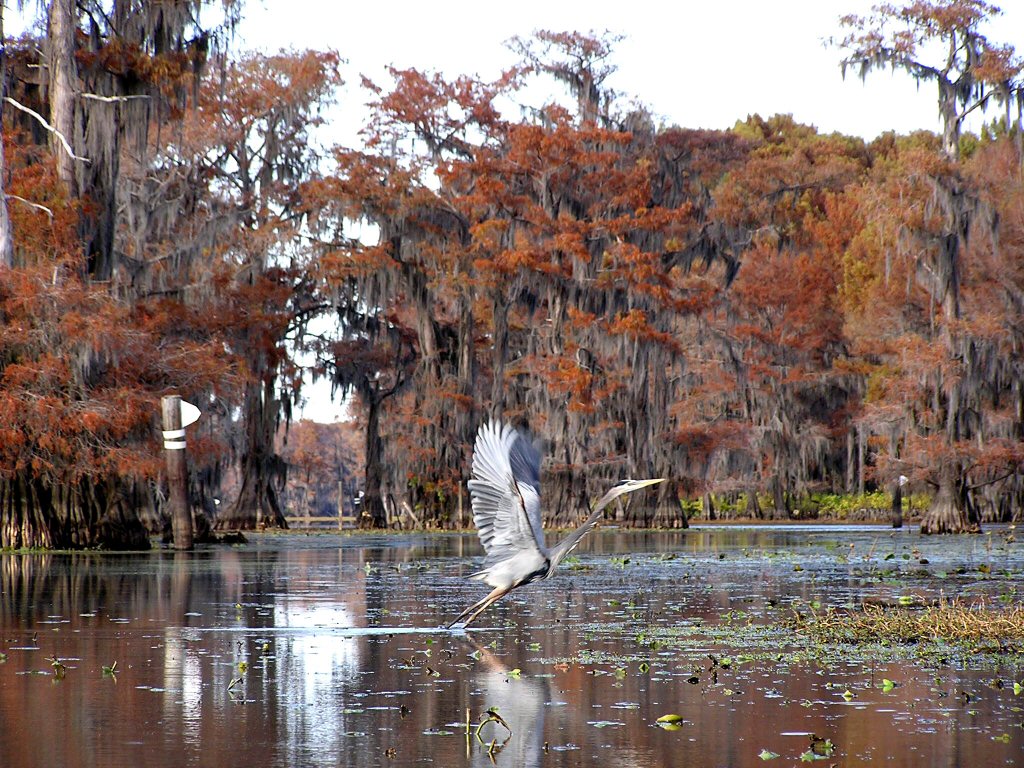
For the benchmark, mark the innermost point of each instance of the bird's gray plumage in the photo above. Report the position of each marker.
(505, 494)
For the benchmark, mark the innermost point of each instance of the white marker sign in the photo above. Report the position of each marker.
(189, 414)
(174, 439)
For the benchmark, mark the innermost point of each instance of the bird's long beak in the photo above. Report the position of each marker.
(644, 483)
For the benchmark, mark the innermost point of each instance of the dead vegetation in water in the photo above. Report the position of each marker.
(980, 626)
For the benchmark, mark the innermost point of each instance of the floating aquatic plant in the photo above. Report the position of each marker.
(59, 668)
(993, 628)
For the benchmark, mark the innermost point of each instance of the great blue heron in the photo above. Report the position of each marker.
(505, 492)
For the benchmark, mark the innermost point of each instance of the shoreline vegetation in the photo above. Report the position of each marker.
(867, 508)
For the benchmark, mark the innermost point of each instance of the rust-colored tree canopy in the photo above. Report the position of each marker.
(766, 315)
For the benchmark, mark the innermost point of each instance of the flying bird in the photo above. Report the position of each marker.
(505, 493)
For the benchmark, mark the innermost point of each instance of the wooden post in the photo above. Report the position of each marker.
(861, 451)
(177, 472)
(897, 502)
(341, 504)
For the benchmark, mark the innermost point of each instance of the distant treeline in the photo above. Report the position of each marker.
(773, 318)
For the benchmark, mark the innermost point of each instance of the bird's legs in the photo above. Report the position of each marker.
(476, 608)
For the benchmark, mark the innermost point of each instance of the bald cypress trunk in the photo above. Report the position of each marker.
(373, 514)
(780, 508)
(6, 236)
(948, 512)
(36, 513)
(499, 353)
(62, 85)
(709, 506)
(263, 471)
(753, 505)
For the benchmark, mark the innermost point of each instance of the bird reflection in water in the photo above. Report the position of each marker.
(520, 703)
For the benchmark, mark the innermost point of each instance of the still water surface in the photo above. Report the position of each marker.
(325, 650)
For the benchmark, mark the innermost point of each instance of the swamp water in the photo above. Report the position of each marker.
(324, 650)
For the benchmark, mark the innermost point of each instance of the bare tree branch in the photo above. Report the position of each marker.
(112, 99)
(47, 126)
(994, 480)
(30, 204)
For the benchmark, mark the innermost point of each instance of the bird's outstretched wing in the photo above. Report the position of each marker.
(505, 491)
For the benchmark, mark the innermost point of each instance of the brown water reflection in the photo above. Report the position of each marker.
(311, 651)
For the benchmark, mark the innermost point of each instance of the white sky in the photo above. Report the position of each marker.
(698, 64)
